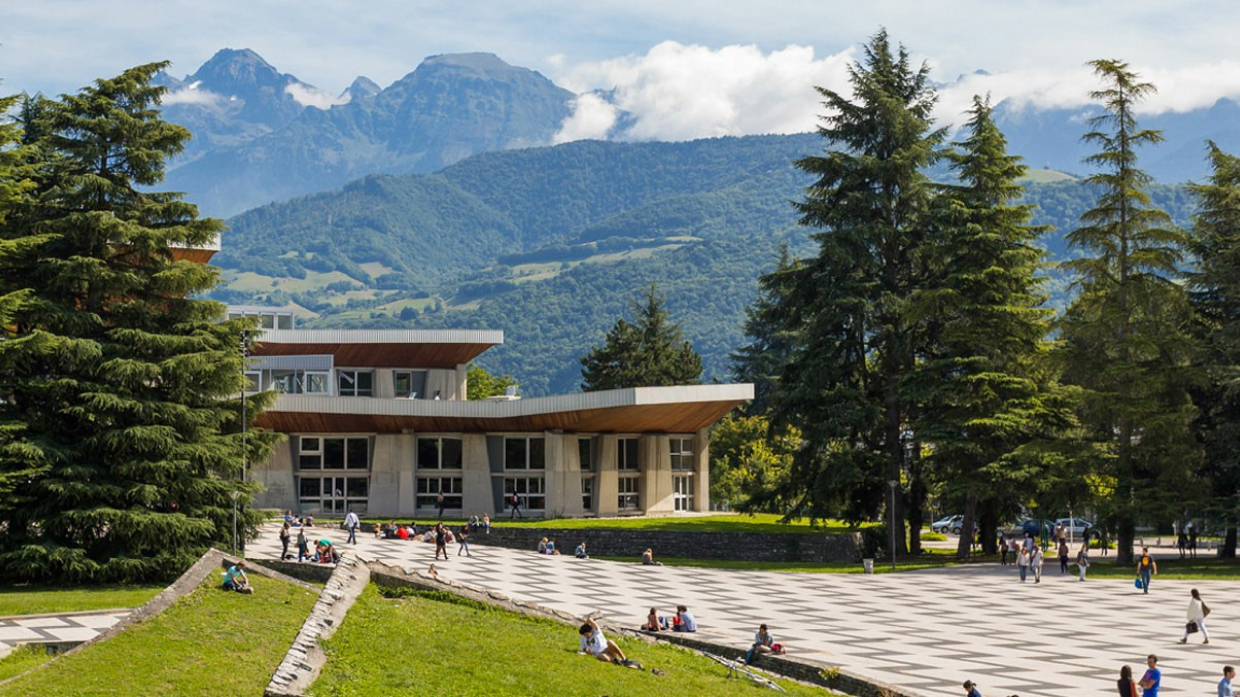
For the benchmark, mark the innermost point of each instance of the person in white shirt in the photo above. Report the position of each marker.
(595, 644)
(1036, 563)
(1196, 616)
(351, 522)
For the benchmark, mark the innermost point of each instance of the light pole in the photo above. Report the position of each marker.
(893, 484)
(245, 454)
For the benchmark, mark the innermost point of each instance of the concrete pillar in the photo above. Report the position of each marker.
(391, 457)
(462, 382)
(656, 486)
(276, 476)
(701, 451)
(476, 475)
(565, 478)
(606, 489)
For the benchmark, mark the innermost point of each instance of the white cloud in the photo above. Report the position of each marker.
(679, 92)
(307, 95)
(592, 117)
(192, 95)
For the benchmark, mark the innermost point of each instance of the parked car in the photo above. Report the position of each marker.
(947, 524)
(1076, 526)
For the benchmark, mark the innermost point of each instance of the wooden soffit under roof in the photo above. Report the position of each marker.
(380, 348)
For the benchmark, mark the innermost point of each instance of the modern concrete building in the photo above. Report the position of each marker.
(377, 421)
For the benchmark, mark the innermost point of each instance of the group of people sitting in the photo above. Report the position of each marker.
(303, 521)
(546, 546)
(595, 644)
(475, 524)
(682, 621)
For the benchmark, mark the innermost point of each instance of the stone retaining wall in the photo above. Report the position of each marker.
(305, 658)
(744, 546)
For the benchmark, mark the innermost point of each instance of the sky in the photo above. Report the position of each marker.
(684, 69)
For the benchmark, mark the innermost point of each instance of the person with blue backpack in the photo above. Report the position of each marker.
(1146, 568)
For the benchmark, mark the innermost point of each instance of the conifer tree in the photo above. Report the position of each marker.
(1125, 338)
(762, 360)
(1215, 296)
(844, 387)
(127, 384)
(650, 352)
(984, 386)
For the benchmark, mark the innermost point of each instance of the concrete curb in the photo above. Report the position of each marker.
(305, 658)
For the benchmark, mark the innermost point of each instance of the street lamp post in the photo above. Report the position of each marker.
(893, 483)
(245, 454)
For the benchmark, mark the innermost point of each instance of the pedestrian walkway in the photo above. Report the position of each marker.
(67, 628)
(926, 631)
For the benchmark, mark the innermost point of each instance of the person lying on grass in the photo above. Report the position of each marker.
(595, 644)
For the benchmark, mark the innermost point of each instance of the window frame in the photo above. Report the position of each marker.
(685, 458)
(320, 451)
(439, 452)
(627, 500)
(528, 450)
(428, 499)
(354, 391)
(525, 497)
(622, 459)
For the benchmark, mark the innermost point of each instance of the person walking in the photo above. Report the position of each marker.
(1181, 542)
(1003, 547)
(285, 534)
(1063, 556)
(1082, 559)
(1036, 563)
(1152, 679)
(1224, 685)
(303, 546)
(351, 522)
(1197, 612)
(1146, 568)
(1192, 540)
(441, 541)
(463, 540)
(439, 500)
(515, 502)
(1023, 563)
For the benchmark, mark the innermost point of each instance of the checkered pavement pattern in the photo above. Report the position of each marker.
(926, 631)
(54, 629)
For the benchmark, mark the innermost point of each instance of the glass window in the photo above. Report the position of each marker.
(253, 380)
(300, 381)
(410, 384)
(355, 383)
(629, 499)
(682, 453)
(626, 454)
(429, 488)
(358, 453)
(333, 494)
(682, 492)
(587, 493)
(439, 453)
(334, 453)
(525, 453)
(530, 491)
(310, 486)
(585, 453)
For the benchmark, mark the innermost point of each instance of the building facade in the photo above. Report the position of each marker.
(377, 422)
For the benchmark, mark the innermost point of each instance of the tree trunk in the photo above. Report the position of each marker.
(1125, 535)
(989, 526)
(965, 546)
(916, 501)
(1228, 549)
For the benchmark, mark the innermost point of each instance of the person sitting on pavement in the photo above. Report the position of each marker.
(236, 580)
(593, 643)
(551, 550)
(473, 523)
(654, 623)
(542, 546)
(648, 558)
(763, 642)
(325, 552)
(684, 620)
(486, 523)
(580, 552)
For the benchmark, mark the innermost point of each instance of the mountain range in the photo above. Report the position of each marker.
(262, 136)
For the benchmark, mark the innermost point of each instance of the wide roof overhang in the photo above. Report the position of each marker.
(380, 348)
(683, 409)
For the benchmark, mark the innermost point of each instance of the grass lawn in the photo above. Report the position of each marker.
(211, 642)
(22, 659)
(1199, 569)
(431, 645)
(37, 600)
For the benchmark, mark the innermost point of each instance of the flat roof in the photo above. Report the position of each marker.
(380, 348)
(681, 409)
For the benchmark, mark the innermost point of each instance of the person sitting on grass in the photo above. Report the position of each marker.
(236, 580)
(580, 552)
(654, 623)
(684, 620)
(595, 644)
(648, 558)
(763, 642)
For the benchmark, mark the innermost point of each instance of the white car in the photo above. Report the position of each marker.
(947, 524)
(1076, 527)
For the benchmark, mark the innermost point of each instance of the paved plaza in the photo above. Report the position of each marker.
(924, 630)
(74, 627)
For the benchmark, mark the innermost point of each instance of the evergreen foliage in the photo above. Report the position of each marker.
(1125, 338)
(771, 343)
(480, 384)
(1215, 296)
(118, 384)
(845, 386)
(649, 352)
(748, 458)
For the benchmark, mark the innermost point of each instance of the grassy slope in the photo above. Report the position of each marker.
(431, 647)
(22, 659)
(36, 600)
(210, 642)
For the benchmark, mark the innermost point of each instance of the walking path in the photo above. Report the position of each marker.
(72, 627)
(926, 631)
